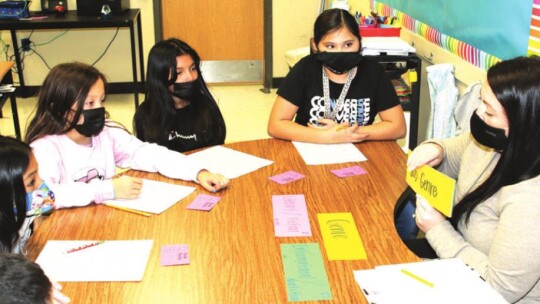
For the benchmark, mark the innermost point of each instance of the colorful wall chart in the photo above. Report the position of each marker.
(472, 30)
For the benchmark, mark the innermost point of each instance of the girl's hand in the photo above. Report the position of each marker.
(323, 123)
(426, 216)
(57, 295)
(211, 181)
(127, 187)
(345, 133)
(426, 154)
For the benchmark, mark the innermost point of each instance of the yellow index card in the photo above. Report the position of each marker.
(437, 188)
(340, 236)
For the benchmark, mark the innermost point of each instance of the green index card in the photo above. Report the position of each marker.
(305, 274)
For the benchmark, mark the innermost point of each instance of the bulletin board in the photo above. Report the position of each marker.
(498, 27)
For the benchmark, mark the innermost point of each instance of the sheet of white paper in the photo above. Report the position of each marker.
(229, 162)
(388, 284)
(110, 261)
(385, 44)
(155, 197)
(322, 154)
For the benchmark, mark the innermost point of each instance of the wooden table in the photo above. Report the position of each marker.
(234, 255)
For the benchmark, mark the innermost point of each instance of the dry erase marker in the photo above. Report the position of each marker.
(419, 279)
(84, 247)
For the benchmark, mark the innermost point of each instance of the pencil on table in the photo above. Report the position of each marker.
(128, 210)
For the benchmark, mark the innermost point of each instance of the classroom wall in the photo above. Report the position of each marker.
(292, 28)
(84, 45)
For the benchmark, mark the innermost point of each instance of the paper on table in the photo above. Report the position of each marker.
(340, 236)
(305, 274)
(388, 283)
(155, 197)
(286, 177)
(290, 215)
(349, 171)
(174, 255)
(110, 261)
(204, 202)
(322, 154)
(229, 162)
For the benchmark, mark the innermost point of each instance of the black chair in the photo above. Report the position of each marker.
(406, 228)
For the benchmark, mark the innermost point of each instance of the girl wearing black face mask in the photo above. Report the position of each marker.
(334, 94)
(494, 224)
(178, 112)
(79, 152)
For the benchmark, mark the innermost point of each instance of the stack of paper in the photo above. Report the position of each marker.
(374, 46)
(435, 281)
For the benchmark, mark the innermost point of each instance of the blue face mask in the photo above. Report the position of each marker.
(40, 201)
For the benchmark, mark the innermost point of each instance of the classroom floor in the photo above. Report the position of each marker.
(245, 110)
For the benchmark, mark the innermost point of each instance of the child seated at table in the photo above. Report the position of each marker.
(178, 112)
(333, 95)
(79, 150)
(23, 195)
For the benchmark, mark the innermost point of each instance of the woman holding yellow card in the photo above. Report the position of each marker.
(494, 226)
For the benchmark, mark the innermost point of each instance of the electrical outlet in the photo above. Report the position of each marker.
(25, 44)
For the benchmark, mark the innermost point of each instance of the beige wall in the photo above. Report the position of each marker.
(293, 27)
(85, 45)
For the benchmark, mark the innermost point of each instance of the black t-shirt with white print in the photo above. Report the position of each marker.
(182, 137)
(371, 92)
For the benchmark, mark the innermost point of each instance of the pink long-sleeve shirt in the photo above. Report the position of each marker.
(80, 174)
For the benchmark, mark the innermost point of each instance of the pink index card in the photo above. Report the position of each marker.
(287, 177)
(290, 215)
(174, 255)
(349, 171)
(204, 202)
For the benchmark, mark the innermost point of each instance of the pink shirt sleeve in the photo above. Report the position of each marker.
(130, 152)
(67, 193)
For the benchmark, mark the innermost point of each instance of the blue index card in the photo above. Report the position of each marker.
(305, 274)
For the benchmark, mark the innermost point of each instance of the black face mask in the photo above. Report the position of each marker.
(94, 121)
(339, 62)
(487, 135)
(186, 90)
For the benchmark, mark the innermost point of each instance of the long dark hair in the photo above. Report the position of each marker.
(66, 84)
(156, 114)
(516, 84)
(332, 20)
(14, 159)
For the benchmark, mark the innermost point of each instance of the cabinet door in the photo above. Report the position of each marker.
(228, 35)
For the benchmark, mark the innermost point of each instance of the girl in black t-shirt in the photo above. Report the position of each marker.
(333, 95)
(179, 111)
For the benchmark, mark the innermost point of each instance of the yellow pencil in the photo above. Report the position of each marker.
(419, 279)
(341, 128)
(129, 210)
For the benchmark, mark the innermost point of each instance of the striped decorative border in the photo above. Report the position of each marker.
(534, 36)
(467, 52)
